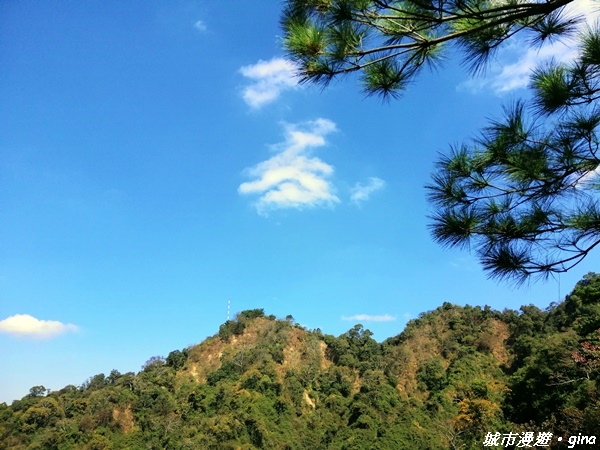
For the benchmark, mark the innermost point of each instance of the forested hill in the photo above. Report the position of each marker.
(451, 377)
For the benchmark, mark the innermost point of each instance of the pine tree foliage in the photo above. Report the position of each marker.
(389, 42)
(524, 194)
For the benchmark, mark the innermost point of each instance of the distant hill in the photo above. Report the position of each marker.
(455, 378)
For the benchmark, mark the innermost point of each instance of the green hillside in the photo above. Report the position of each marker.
(454, 376)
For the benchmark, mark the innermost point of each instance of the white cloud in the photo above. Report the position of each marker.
(293, 178)
(362, 192)
(515, 64)
(269, 79)
(24, 325)
(587, 181)
(370, 318)
(200, 26)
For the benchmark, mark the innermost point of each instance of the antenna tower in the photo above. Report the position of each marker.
(228, 308)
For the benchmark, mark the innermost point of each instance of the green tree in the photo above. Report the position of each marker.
(252, 313)
(176, 359)
(38, 391)
(389, 42)
(522, 195)
(45, 412)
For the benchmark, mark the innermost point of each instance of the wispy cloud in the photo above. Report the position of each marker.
(24, 325)
(293, 178)
(587, 181)
(269, 79)
(515, 65)
(200, 26)
(362, 192)
(370, 318)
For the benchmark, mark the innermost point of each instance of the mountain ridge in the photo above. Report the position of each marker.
(453, 375)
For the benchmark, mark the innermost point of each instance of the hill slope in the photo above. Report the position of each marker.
(452, 376)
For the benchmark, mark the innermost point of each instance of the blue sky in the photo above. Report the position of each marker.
(157, 158)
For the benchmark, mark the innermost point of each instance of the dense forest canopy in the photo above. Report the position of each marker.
(456, 376)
